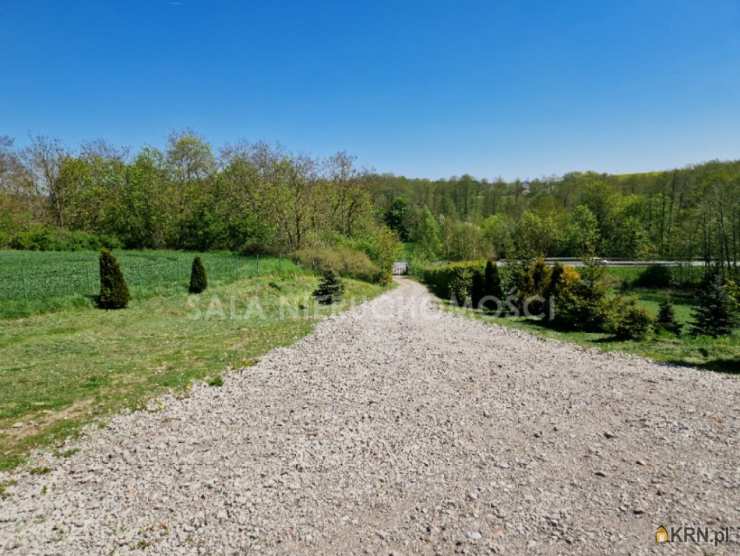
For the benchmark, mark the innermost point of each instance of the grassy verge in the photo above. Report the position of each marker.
(715, 354)
(60, 370)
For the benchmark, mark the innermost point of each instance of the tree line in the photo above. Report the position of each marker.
(248, 197)
(259, 198)
(687, 213)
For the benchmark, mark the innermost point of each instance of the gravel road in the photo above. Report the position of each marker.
(396, 428)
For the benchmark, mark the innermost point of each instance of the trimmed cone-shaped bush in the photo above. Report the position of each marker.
(667, 318)
(492, 281)
(716, 313)
(113, 289)
(330, 289)
(198, 278)
(477, 289)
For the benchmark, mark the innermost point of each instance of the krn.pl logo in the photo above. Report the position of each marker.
(661, 535)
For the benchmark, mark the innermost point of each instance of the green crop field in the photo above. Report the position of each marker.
(34, 282)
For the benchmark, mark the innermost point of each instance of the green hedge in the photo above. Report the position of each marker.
(442, 278)
(43, 238)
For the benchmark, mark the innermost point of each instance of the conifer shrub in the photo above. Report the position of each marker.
(477, 289)
(519, 282)
(492, 281)
(461, 286)
(716, 311)
(528, 280)
(539, 279)
(198, 278)
(492, 298)
(330, 289)
(551, 291)
(582, 301)
(667, 318)
(113, 289)
(632, 323)
(539, 275)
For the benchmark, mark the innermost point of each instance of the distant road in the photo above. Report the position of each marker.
(624, 262)
(572, 261)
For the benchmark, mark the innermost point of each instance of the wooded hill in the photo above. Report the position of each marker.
(693, 212)
(256, 198)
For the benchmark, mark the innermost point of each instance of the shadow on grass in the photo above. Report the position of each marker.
(598, 337)
(727, 366)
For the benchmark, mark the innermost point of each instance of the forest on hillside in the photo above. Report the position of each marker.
(693, 212)
(255, 198)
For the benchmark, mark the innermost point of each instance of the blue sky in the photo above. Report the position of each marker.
(428, 89)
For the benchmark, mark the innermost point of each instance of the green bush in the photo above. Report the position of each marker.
(198, 278)
(519, 281)
(667, 319)
(330, 289)
(551, 290)
(654, 276)
(528, 280)
(342, 260)
(44, 238)
(632, 323)
(477, 288)
(200, 230)
(461, 286)
(492, 295)
(492, 281)
(582, 302)
(716, 311)
(383, 248)
(539, 280)
(443, 278)
(113, 289)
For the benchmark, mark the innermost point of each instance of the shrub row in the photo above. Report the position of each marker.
(582, 301)
(43, 238)
(453, 279)
(565, 298)
(342, 260)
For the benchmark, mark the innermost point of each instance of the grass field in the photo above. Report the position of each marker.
(629, 274)
(33, 282)
(624, 273)
(59, 370)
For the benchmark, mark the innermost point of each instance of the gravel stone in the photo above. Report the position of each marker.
(398, 428)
